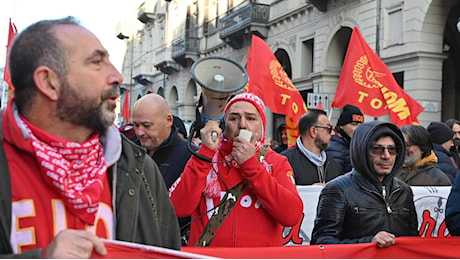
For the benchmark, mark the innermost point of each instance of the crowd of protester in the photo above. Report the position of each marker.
(71, 178)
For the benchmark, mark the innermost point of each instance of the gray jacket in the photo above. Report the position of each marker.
(143, 211)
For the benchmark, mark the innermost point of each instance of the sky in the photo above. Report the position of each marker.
(99, 16)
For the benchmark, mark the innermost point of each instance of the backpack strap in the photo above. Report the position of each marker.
(220, 213)
(5, 197)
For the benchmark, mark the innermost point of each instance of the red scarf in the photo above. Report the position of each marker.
(75, 171)
(223, 163)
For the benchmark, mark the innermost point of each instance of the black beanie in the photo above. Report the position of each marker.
(440, 132)
(350, 114)
(180, 125)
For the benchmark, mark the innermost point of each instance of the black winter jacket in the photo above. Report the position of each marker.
(453, 209)
(339, 150)
(354, 207)
(171, 156)
(305, 172)
(445, 162)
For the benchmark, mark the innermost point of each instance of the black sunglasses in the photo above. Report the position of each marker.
(379, 150)
(328, 128)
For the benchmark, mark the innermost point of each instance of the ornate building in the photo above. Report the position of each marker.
(418, 40)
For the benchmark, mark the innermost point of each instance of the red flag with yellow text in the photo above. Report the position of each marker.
(366, 82)
(6, 73)
(269, 81)
(125, 111)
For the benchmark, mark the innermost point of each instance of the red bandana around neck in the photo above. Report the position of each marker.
(75, 171)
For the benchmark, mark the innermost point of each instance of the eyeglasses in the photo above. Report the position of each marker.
(328, 128)
(379, 150)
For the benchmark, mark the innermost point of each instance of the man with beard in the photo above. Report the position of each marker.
(368, 204)
(454, 124)
(308, 158)
(69, 178)
(420, 164)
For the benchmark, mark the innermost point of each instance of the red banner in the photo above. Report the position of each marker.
(125, 111)
(126, 250)
(6, 73)
(269, 81)
(405, 247)
(367, 83)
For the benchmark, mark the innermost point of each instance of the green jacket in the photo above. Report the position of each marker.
(143, 211)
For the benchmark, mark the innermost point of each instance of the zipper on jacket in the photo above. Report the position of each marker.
(384, 194)
(321, 173)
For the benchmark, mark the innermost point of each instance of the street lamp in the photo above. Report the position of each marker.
(121, 36)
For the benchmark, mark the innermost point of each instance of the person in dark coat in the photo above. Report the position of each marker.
(308, 158)
(153, 123)
(339, 149)
(181, 130)
(441, 136)
(281, 134)
(454, 124)
(452, 216)
(420, 165)
(368, 204)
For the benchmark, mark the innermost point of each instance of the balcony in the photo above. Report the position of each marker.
(185, 50)
(319, 4)
(248, 20)
(167, 66)
(145, 13)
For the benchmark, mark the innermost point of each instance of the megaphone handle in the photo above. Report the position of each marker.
(214, 136)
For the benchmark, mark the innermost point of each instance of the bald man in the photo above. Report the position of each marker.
(153, 124)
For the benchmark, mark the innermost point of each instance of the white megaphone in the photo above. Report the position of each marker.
(219, 78)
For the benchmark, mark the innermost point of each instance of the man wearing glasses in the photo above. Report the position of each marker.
(368, 204)
(308, 158)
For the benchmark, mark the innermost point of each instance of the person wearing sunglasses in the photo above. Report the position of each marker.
(421, 164)
(368, 204)
(308, 158)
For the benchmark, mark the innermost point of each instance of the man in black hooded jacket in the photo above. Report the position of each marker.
(368, 204)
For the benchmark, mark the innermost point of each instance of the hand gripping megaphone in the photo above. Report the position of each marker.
(219, 78)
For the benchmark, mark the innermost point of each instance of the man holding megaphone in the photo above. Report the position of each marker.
(246, 194)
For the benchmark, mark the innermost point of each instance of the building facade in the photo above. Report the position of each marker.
(418, 40)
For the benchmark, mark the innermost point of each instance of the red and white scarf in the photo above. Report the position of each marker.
(213, 188)
(75, 171)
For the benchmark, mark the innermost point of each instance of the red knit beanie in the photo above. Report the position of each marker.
(257, 102)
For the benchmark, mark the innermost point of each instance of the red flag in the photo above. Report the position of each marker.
(367, 83)
(125, 110)
(6, 73)
(269, 81)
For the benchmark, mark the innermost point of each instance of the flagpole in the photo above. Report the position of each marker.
(377, 32)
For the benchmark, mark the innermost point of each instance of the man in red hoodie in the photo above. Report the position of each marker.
(258, 182)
